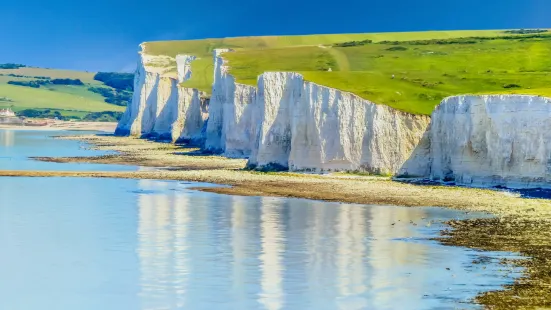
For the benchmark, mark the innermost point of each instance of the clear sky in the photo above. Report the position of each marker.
(103, 35)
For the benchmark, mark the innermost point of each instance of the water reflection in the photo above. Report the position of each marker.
(163, 251)
(243, 243)
(200, 250)
(124, 244)
(273, 246)
(351, 251)
(392, 267)
(181, 246)
(16, 146)
(7, 138)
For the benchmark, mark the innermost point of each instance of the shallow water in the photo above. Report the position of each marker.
(137, 244)
(17, 145)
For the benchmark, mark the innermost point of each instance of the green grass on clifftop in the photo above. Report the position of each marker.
(409, 75)
(206, 46)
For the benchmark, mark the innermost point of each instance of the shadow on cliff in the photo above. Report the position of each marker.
(150, 110)
(418, 165)
(242, 130)
(307, 137)
(162, 130)
(274, 149)
(195, 119)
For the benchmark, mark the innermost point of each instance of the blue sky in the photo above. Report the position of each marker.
(103, 35)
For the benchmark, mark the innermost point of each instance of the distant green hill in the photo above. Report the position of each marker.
(48, 92)
(411, 71)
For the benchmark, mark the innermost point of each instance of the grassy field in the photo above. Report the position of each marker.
(405, 75)
(202, 69)
(86, 77)
(69, 100)
(206, 46)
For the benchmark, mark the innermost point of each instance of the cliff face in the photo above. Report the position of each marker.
(222, 81)
(283, 123)
(145, 94)
(492, 140)
(278, 94)
(161, 108)
(288, 123)
(183, 65)
(335, 130)
(309, 127)
(193, 113)
(164, 110)
(233, 120)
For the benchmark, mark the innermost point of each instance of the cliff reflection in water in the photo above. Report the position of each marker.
(79, 243)
(255, 252)
(7, 138)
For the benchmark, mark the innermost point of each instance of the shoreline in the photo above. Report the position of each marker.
(176, 162)
(521, 225)
(107, 127)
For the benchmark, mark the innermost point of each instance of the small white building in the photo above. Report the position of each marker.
(6, 113)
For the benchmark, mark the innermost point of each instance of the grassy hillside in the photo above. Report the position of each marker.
(68, 100)
(205, 47)
(412, 72)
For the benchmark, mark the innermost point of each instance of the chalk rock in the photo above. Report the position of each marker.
(193, 109)
(497, 140)
(140, 114)
(339, 131)
(161, 108)
(283, 123)
(165, 112)
(240, 121)
(308, 127)
(278, 93)
(232, 121)
(183, 64)
(223, 81)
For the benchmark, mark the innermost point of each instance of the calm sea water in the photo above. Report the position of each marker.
(70, 243)
(17, 145)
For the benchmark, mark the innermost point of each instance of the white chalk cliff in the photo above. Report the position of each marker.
(287, 122)
(496, 140)
(335, 130)
(161, 108)
(233, 120)
(283, 123)
(183, 65)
